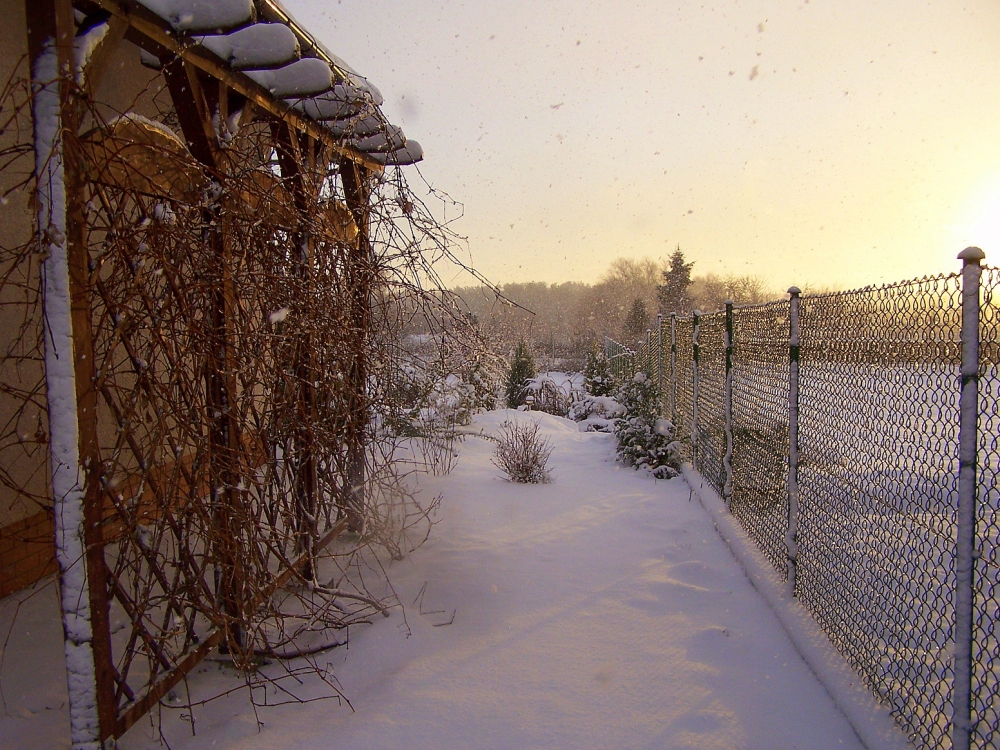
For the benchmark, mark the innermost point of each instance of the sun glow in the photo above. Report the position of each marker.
(984, 226)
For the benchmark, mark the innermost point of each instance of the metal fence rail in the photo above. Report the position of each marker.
(832, 427)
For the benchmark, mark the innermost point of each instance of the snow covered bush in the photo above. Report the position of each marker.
(484, 385)
(596, 413)
(521, 454)
(433, 388)
(597, 374)
(554, 392)
(646, 440)
(450, 401)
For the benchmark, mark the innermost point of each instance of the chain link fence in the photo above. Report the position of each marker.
(986, 617)
(829, 424)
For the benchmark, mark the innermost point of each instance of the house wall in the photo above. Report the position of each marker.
(26, 527)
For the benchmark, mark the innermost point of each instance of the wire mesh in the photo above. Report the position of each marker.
(712, 398)
(760, 426)
(986, 618)
(621, 360)
(684, 385)
(878, 447)
(878, 439)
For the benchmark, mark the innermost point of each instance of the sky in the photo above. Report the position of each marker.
(819, 143)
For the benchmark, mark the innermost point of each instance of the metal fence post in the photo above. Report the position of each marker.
(966, 553)
(696, 351)
(673, 368)
(727, 459)
(792, 534)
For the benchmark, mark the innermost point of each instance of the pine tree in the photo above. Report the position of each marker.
(522, 369)
(597, 374)
(646, 440)
(636, 323)
(672, 294)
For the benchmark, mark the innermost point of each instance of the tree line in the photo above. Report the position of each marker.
(565, 321)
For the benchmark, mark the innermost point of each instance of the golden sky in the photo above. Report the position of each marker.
(819, 142)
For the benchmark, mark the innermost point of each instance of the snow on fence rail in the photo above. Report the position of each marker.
(836, 428)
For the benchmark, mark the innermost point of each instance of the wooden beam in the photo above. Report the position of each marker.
(69, 369)
(101, 57)
(192, 112)
(152, 32)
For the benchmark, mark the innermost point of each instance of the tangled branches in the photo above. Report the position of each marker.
(245, 328)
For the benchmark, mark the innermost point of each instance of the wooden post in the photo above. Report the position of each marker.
(355, 180)
(225, 446)
(69, 373)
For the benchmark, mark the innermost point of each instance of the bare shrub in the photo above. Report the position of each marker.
(521, 454)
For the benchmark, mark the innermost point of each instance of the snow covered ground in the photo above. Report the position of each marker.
(602, 610)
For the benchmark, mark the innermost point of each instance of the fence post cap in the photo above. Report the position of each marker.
(971, 254)
(728, 302)
(794, 290)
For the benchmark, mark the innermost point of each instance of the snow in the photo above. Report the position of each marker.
(159, 127)
(339, 102)
(202, 15)
(664, 427)
(256, 46)
(300, 78)
(60, 383)
(83, 47)
(391, 139)
(872, 721)
(411, 153)
(358, 128)
(340, 63)
(278, 316)
(601, 610)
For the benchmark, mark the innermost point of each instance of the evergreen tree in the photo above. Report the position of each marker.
(636, 323)
(522, 369)
(646, 440)
(597, 374)
(672, 294)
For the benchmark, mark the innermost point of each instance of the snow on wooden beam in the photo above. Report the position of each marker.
(202, 15)
(150, 32)
(259, 46)
(304, 77)
(69, 362)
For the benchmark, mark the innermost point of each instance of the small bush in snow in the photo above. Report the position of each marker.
(646, 440)
(597, 374)
(521, 454)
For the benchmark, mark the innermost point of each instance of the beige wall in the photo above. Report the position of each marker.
(23, 459)
(127, 86)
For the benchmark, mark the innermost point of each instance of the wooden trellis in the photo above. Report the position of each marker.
(224, 292)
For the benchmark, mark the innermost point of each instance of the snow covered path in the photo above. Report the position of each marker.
(599, 611)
